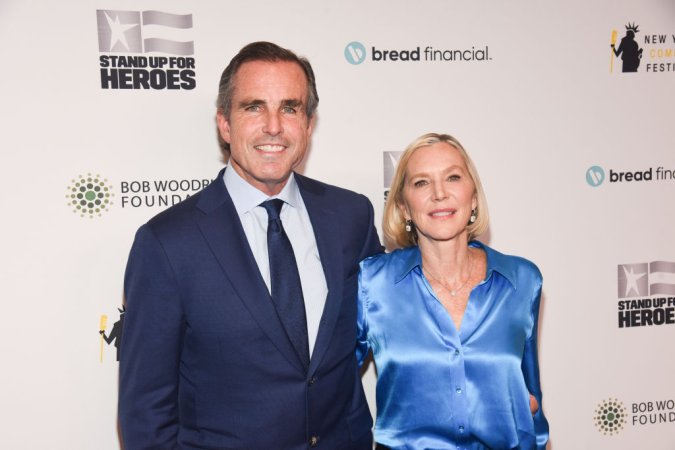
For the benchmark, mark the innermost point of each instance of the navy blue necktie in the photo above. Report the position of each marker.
(285, 279)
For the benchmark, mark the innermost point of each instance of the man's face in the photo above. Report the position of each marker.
(268, 130)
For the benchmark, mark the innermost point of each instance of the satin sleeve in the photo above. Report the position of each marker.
(530, 367)
(362, 345)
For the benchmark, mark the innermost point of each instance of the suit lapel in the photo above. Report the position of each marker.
(222, 230)
(327, 234)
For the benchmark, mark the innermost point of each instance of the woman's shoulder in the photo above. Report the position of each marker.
(519, 266)
(393, 262)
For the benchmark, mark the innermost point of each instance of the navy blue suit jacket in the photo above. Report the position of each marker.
(205, 362)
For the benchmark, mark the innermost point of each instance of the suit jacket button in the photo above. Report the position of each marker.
(313, 441)
(312, 381)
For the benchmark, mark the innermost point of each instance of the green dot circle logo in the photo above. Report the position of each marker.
(610, 416)
(90, 195)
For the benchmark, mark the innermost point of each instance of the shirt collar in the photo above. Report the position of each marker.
(497, 262)
(246, 197)
(411, 258)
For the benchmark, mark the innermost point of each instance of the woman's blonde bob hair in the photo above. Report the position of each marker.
(393, 222)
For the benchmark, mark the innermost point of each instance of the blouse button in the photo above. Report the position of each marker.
(458, 390)
(456, 352)
(461, 428)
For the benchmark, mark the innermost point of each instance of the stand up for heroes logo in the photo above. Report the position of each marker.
(143, 32)
(647, 293)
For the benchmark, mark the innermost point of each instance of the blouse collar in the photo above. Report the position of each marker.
(411, 259)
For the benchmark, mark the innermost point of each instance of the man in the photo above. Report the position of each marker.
(211, 357)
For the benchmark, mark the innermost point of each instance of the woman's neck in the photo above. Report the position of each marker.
(449, 260)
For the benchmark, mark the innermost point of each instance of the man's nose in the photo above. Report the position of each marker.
(272, 124)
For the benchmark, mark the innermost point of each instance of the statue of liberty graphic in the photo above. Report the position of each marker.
(629, 50)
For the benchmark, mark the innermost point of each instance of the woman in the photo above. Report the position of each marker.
(451, 322)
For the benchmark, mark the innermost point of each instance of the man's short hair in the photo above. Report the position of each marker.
(264, 51)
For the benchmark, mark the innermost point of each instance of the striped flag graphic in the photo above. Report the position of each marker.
(144, 32)
(160, 32)
(662, 278)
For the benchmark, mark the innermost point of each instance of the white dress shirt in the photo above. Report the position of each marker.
(295, 219)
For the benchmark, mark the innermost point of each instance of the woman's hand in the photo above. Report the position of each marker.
(534, 405)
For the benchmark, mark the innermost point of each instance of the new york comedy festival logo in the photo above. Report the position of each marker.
(642, 50)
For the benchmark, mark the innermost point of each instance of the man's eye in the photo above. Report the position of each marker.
(253, 108)
(289, 109)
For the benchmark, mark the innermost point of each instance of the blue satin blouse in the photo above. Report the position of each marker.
(439, 388)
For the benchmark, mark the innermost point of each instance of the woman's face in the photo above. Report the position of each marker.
(438, 192)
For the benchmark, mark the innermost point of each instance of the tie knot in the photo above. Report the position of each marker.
(273, 208)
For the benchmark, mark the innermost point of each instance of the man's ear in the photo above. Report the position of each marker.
(223, 126)
(311, 123)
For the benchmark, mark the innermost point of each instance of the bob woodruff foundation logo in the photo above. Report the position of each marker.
(90, 195)
(610, 416)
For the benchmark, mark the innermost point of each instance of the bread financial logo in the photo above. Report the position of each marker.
(595, 176)
(124, 37)
(355, 53)
(90, 195)
(610, 416)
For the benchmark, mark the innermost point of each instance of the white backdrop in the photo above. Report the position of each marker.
(536, 116)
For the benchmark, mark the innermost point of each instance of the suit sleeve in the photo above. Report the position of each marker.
(151, 347)
(371, 245)
(530, 367)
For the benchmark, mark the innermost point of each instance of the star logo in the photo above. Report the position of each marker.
(117, 31)
(633, 280)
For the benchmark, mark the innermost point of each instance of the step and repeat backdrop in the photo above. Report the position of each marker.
(108, 117)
